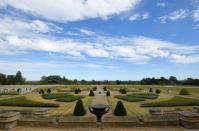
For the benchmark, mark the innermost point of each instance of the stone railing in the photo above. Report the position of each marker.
(8, 120)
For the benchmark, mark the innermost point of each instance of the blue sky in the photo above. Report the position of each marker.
(100, 39)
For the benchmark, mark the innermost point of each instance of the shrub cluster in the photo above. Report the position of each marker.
(91, 93)
(69, 98)
(77, 90)
(104, 88)
(135, 97)
(79, 109)
(176, 101)
(56, 95)
(94, 88)
(120, 110)
(184, 92)
(157, 91)
(48, 91)
(24, 102)
(123, 90)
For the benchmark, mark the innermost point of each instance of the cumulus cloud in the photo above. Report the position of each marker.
(139, 16)
(175, 15)
(185, 59)
(72, 10)
(196, 15)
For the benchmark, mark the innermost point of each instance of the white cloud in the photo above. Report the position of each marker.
(87, 32)
(175, 15)
(184, 59)
(139, 16)
(196, 15)
(161, 4)
(72, 10)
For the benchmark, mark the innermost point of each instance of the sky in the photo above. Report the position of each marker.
(100, 39)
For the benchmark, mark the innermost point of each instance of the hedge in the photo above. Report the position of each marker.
(24, 102)
(55, 95)
(176, 101)
(69, 98)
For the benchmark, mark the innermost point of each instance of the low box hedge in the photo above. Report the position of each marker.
(176, 101)
(24, 102)
(55, 95)
(69, 98)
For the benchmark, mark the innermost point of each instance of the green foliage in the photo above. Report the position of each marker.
(79, 109)
(120, 109)
(104, 88)
(135, 97)
(24, 102)
(41, 91)
(123, 90)
(94, 88)
(91, 93)
(13, 92)
(108, 93)
(77, 90)
(48, 91)
(56, 95)
(184, 92)
(69, 98)
(150, 90)
(19, 79)
(176, 101)
(157, 91)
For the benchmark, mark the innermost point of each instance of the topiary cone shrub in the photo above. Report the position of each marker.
(105, 89)
(184, 92)
(41, 91)
(94, 88)
(123, 90)
(150, 90)
(79, 109)
(79, 90)
(157, 91)
(108, 93)
(76, 91)
(120, 110)
(91, 93)
(48, 91)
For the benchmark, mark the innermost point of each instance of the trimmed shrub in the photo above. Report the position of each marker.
(76, 91)
(79, 109)
(24, 102)
(150, 90)
(41, 91)
(91, 93)
(123, 91)
(79, 90)
(184, 92)
(108, 93)
(120, 109)
(104, 88)
(94, 88)
(176, 101)
(69, 98)
(48, 91)
(157, 91)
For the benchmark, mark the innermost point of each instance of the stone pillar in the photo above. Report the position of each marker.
(189, 119)
(8, 120)
(41, 112)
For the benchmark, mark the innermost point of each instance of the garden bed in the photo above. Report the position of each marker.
(56, 95)
(24, 102)
(176, 101)
(69, 98)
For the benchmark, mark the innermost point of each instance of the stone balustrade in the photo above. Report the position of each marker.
(8, 120)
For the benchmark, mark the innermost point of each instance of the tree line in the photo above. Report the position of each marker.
(57, 79)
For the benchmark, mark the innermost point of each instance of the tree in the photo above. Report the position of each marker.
(184, 92)
(91, 93)
(48, 91)
(150, 90)
(108, 93)
(117, 82)
(79, 109)
(11, 80)
(120, 109)
(3, 79)
(19, 79)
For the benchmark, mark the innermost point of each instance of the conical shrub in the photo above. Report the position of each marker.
(120, 109)
(76, 91)
(91, 93)
(108, 93)
(79, 109)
